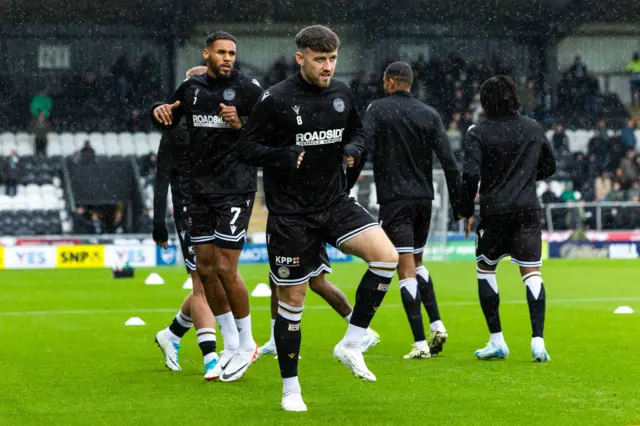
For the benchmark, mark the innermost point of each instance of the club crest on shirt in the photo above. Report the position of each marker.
(229, 95)
(338, 105)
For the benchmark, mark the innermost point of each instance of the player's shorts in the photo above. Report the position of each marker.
(221, 220)
(517, 234)
(406, 223)
(296, 244)
(181, 219)
(324, 264)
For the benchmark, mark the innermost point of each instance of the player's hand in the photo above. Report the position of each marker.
(164, 113)
(468, 231)
(160, 235)
(300, 157)
(230, 116)
(354, 153)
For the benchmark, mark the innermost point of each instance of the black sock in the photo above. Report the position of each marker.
(206, 338)
(371, 291)
(288, 337)
(490, 301)
(537, 305)
(427, 294)
(411, 302)
(180, 324)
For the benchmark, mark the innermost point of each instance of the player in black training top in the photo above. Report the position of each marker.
(174, 167)
(300, 131)
(507, 154)
(222, 190)
(401, 132)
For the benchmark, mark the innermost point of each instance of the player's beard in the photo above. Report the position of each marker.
(217, 71)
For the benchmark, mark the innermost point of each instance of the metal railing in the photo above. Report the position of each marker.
(594, 213)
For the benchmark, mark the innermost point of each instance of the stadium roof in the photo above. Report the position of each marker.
(528, 14)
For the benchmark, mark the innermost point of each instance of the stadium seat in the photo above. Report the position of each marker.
(112, 147)
(80, 139)
(154, 141)
(54, 145)
(26, 148)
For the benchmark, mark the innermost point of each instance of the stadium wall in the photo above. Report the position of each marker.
(65, 254)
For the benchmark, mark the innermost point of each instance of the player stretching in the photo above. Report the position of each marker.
(222, 191)
(309, 115)
(331, 294)
(402, 132)
(174, 168)
(507, 153)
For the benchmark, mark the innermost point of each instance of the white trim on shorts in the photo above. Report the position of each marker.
(320, 269)
(404, 250)
(230, 238)
(191, 266)
(490, 262)
(526, 264)
(284, 282)
(203, 239)
(355, 233)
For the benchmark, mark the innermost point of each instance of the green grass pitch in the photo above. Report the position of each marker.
(67, 358)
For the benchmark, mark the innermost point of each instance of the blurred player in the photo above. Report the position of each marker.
(331, 294)
(174, 168)
(309, 115)
(507, 154)
(402, 133)
(222, 191)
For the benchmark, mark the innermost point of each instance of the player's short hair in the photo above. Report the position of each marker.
(219, 35)
(318, 38)
(499, 97)
(400, 71)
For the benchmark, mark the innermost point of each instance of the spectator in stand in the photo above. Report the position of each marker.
(40, 126)
(560, 141)
(144, 222)
(568, 195)
(616, 194)
(598, 146)
(580, 170)
(12, 174)
(578, 69)
(119, 226)
(135, 122)
(549, 197)
(80, 223)
(527, 97)
(96, 223)
(633, 192)
(603, 186)
(87, 154)
(633, 67)
(545, 104)
(627, 134)
(41, 103)
(629, 171)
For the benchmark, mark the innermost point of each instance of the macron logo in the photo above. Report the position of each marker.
(265, 95)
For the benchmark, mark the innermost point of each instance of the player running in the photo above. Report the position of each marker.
(309, 115)
(320, 285)
(222, 191)
(402, 133)
(507, 154)
(174, 168)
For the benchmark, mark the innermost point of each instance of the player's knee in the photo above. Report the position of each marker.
(317, 283)
(292, 295)
(206, 270)
(226, 270)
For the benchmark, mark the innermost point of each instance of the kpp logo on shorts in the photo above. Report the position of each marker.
(287, 261)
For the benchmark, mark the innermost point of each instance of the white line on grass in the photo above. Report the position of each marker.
(313, 307)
